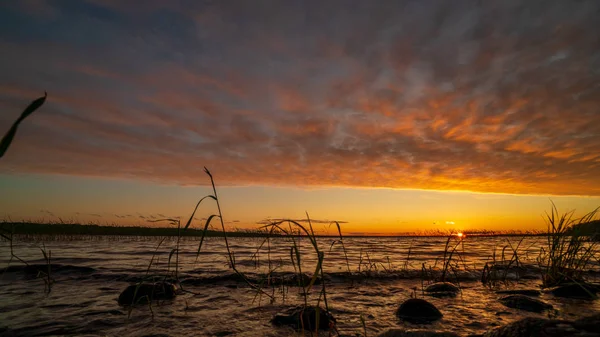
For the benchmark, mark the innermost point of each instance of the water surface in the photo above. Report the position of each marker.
(90, 273)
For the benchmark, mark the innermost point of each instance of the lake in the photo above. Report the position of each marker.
(90, 273)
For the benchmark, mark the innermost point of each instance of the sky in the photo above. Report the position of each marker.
(391, 116)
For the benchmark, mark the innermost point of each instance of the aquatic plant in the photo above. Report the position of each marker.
(406, 262)
(568, 253)
(135, 299)
(10, 134)
(449, 263)
(295, 256)
(497, 270)
(230, 254)
(341, 242)
(364, 324)
(5, 234)
(44, 274)
(47, 274)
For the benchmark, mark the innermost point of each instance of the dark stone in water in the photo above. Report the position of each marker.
(442, 289)
(141, 293)
(415, 333)
(416, 310)
(304, 318)
(526, 292)
(590, 323)
(523, 302)
(540, 327)
(576, 290)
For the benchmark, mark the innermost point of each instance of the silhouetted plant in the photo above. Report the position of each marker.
(9, 136)
(567, 253)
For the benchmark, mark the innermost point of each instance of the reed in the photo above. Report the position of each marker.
(496, 271)
(230, 254)
(44, 274)
(448, 263)
(364, 324)
(10, 134)
(294, 226)
(136, 300)
(5, 143)
(568, 253)
(341, 242)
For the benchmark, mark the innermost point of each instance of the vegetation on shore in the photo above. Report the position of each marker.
(568, 253)
(63, 228)
(590, 228)
(30, 228)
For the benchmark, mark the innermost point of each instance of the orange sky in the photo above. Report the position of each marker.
(365, 210)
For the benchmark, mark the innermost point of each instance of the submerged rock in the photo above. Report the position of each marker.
(576, 290)
(589, 324)
(416, 333)
(416, 310)
(523, 302)
(526, 292)
(532, 326)
(305, 318)
(442, 289)
(144, 292)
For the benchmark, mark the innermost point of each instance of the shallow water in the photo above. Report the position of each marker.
(90, 273)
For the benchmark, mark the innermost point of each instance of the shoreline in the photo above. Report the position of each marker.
(30, 228)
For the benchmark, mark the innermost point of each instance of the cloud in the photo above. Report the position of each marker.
(437, 96)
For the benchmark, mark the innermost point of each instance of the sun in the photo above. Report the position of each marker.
(460, 235)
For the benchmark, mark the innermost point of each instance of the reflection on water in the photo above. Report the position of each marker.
(91, 274)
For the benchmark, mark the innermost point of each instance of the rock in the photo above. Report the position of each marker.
(304, 318)
(532, 326)
(590, 323)
(523, 302)
(526, 292)
(442, 289)
(143, 292)
(576, 290)
(415, 333)
(416, 310)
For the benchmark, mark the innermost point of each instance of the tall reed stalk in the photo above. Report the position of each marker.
(567, 253)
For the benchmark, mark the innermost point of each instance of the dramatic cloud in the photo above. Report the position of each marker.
(494, 96)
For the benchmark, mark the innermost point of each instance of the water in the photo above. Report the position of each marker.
(90, 273)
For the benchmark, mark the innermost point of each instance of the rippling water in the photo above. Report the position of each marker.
(90, 273)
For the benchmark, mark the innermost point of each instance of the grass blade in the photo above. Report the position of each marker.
(204, 233)
(195, 209)
(8, 137)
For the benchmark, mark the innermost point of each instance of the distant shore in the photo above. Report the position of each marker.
(29, 228)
